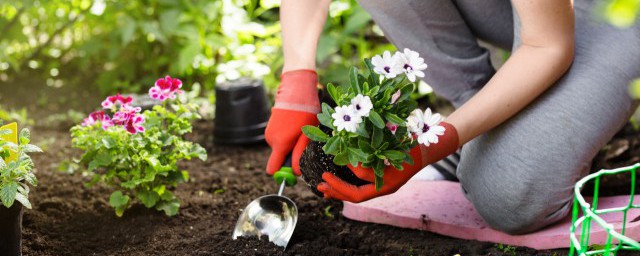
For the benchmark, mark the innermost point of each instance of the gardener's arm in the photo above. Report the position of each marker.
(297, 102)
(302, 22)
(543, 57)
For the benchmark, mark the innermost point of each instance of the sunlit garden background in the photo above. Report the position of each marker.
(86, 49)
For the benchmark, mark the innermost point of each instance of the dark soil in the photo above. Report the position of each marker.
(70, 219)
(314, 162)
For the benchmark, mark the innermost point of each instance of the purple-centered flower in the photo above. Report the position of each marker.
(114, 101)
(411, 63)
(166, 88)
(346, 118)
(386, 65)
(425, 126)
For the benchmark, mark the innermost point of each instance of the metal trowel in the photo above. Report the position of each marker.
(274, 216)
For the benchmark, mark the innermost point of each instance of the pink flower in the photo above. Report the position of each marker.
(106, 122)
(134, 124)
(93, 118)
(386, 162)
(117, 99)
(392, 127)
(98, 116)
(166, 88)
(395, 96)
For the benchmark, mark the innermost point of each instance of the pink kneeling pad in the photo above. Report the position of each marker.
(440, 207)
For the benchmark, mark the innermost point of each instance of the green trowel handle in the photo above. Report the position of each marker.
(286, 173)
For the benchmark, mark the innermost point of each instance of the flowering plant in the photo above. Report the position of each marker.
(16, 167)
(375, 120)
(137, 153)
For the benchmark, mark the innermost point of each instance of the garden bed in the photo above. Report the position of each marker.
(69, 219)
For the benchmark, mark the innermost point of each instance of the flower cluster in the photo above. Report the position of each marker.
(408, 62)
(348, 117)
(166, 88)
(128, 116)
(376, 122)
(124, 115)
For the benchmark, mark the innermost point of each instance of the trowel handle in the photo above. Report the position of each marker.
(286, 173)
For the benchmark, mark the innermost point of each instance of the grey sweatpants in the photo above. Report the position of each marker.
(520, 175)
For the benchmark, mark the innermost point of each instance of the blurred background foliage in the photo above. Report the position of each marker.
(124, 46)
(55, 47)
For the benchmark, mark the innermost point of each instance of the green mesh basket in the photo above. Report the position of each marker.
(616, 240)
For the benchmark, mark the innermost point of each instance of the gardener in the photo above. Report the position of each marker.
(529, 130)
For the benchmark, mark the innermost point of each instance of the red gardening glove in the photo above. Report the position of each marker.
(335, 188)
(296, 105)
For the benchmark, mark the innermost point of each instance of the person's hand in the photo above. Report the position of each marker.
(296, 105)
(335, 188)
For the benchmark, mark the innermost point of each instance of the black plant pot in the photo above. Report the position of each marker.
(242, 112)
(11, 230)
(314, 162)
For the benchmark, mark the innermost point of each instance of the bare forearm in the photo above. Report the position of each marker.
(302, 22)
(527, 74)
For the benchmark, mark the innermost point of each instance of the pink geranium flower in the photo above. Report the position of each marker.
(166, 88)
(392, 127)
(134, 124)
(113, 101)
(98, 116)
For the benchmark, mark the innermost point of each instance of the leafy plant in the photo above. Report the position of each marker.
(137, 154)
(369, 126)
(506, 249)
(16, 167)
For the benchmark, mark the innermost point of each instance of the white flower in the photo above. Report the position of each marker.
(346, 118)
(425, 126)
(362, 104)
(411, 63)
(386, 65)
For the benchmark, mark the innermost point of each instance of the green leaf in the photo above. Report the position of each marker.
(119, 201)
(377, 138)
(8, 193)
(333, 92)
(406, 91)
(30, 148)
(365, 146)
(108, 142)
(23, 200)
(341, 159)
(314, 133)
(394, 119)
(394, 154)
(169, 208)
(101, 159)
(325, 119)
(374, 79)
(361, 130)
(376, 119)
(360, 155)
(25, 136)
(148, 198)
(332, 146)
(353, 79)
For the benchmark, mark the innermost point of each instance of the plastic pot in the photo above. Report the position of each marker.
(242, 112)
(11, 230)
(314, 162)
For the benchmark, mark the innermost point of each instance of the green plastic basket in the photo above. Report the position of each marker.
(616, 240)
